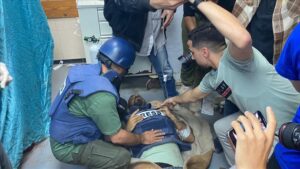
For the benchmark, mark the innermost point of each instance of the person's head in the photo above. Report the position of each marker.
(143, 165)
(137, 102)
(116, 54)
(206, 43)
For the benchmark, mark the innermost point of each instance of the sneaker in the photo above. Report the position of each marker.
(152, 83)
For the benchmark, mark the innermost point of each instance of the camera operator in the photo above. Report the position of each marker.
(287, 152)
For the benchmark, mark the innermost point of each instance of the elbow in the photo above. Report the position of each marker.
(190, 139)
(244, 40)
(115, 140)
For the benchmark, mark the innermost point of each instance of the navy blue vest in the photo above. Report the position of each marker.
(82, 81)
(156, 120)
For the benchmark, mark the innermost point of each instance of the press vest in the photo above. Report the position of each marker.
(156, 120)
(82, 81)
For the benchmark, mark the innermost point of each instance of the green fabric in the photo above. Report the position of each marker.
(254, 85)
(168, 153)
(102, 109)
(102, 155)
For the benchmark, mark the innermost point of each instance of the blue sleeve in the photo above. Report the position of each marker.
(288, 64)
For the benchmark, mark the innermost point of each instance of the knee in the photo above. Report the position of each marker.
(219, 128)
(122, 159)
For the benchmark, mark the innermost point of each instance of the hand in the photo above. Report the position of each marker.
(170, 102)
(152, 136)
(167, 111)
(254, 144)
(5, 78)
(134, 119)
(156, 104)
(167, 17)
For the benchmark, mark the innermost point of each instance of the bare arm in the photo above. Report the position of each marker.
(189, 96)
(240, 46)
(190, 23)
(180, 125)
(124, 137)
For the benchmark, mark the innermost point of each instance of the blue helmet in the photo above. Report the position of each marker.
(119, 51)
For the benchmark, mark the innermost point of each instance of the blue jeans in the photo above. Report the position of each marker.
(162, 67)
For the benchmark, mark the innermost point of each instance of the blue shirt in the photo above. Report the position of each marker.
(288, 66)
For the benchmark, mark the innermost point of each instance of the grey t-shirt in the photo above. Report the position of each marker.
(253, 85)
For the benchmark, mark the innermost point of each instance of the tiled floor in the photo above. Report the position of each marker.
(41, 156)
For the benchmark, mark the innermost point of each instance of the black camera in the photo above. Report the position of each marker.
(289, 135)
(185, 58)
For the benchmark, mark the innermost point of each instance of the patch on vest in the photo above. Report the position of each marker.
(224, 90)
(151, 113)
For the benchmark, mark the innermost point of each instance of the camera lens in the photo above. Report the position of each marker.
(289, 135)
(186, 57)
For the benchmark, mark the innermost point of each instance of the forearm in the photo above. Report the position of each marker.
(228, 25)
(189, 96)
(180, 125)
(124, 137)
(190, 23)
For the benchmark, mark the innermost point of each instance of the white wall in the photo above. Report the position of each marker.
(68, 45)
(67, 38)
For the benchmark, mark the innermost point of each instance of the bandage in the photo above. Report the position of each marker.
(183, 134)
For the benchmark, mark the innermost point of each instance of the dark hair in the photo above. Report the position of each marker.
(206, 35)
(104, 60)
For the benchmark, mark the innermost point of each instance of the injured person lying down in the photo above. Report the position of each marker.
(178, 136)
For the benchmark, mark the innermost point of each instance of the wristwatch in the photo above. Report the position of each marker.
(196, 3)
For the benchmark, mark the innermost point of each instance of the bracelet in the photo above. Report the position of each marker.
(196, 3)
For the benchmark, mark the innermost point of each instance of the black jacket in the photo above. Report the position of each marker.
(128, 19)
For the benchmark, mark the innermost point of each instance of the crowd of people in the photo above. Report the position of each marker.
(239, 69)
(234, 47)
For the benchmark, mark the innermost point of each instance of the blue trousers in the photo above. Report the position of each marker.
(163, 68)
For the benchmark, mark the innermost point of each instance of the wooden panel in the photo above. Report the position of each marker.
(60, 8)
